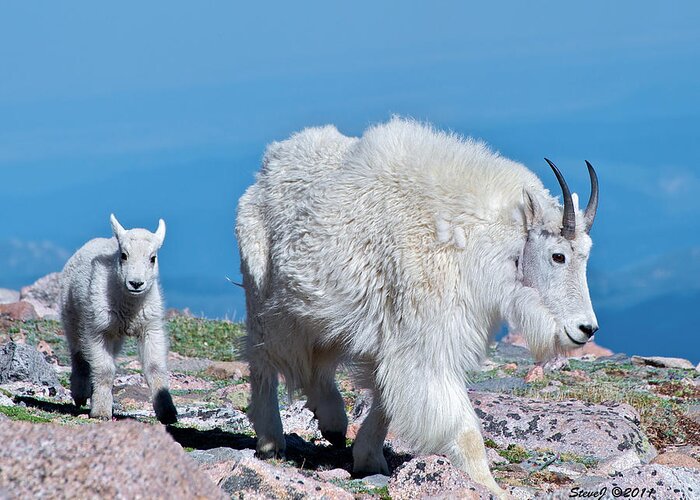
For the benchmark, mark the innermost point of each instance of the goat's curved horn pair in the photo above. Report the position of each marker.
(568, 229)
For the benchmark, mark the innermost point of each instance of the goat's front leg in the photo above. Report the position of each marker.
(153, 351)
(100, 351)
(469, 453)
(434, 413)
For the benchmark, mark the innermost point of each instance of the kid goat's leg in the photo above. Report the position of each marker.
(153, 351)
(80, 386)
(99, 352)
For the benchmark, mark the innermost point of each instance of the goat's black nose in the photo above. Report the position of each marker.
(588, 329)
(136, 284)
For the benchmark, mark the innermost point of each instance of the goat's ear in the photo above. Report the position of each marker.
(117, 228)
(532, 210)
(160, 232)
(574, 199)
(447, 232)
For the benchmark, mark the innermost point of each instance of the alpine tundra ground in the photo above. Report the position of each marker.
(578, 425)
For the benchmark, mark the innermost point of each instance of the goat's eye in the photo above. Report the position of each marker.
(153, 259)
(559, 258)
(124, 256)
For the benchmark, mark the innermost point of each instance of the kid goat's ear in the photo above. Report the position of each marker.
(117, 228)
(160, 232)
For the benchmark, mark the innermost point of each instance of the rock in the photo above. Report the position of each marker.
(662, 362)
(253, 478)
(376, 480)
(107, 460)
(693, 413)
(510, 353)
(236, 396)
(569, 470)
(535, 374)
(8, 296)
(19, 311)
(328, 475)
(675, 459)
(23, 363)
(494, 458)
(590, 348)
(523, 493)
(43, 294)
(181, 381)
(515, 338)
(233, 370)
(217, 463)
(222, 454)
(435, 477)
(5, 401)
(657, 481)
(179, 363)
(617, 464)
(585, 429)
(228, 419)
(556, 364)
(297, 419)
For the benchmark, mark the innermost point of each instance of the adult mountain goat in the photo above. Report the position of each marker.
(402, 252)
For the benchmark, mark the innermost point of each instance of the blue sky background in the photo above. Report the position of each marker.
(163, 109)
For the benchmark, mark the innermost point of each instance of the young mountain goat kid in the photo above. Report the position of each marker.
(109, 291)
(402, 252)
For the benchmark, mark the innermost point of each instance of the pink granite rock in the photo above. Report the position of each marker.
(433, 476)
(107, 460)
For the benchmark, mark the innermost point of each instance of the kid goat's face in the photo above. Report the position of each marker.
(138, 260)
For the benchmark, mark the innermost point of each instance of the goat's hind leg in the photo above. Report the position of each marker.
(80, 386)
(264, 409)
(326, 402)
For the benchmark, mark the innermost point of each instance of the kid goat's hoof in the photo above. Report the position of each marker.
(166, 413)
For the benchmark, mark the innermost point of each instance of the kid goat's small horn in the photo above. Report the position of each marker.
(592, 207)
(568, 228)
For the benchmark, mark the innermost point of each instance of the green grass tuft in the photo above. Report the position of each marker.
(204, 338)
(22, 414)
(490, 443)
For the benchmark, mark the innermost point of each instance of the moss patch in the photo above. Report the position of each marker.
(514, 453)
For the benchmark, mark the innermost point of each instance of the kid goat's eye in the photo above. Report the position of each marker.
(123, 256)
(559, 258)
(153, 259)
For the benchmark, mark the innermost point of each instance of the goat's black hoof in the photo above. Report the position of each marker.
(166, 413)
(337, 439)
